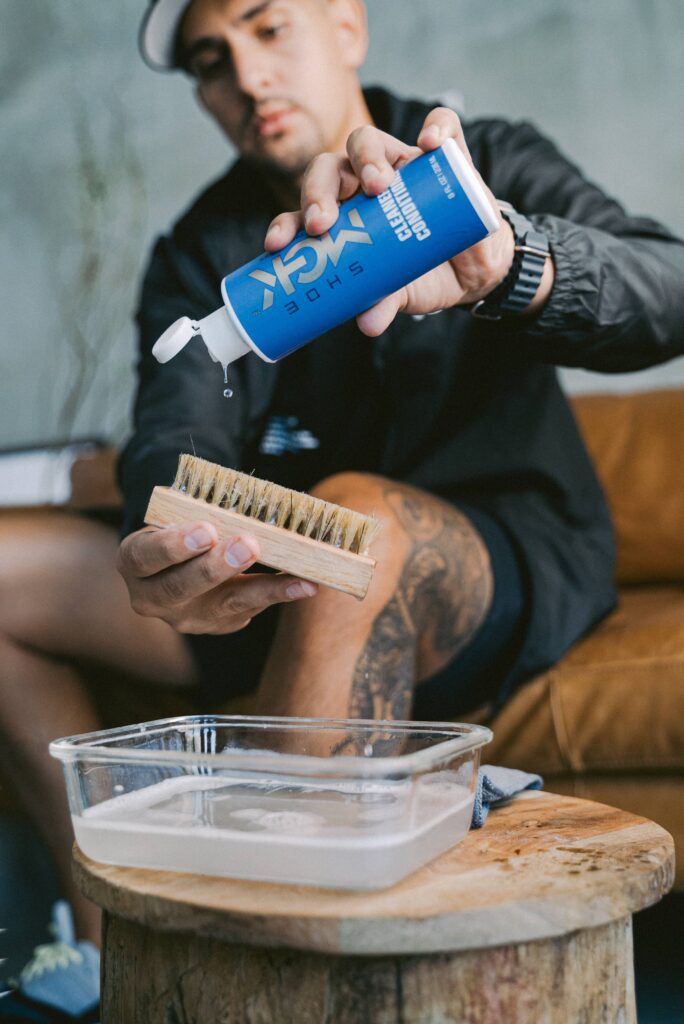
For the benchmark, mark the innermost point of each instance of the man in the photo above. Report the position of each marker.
(496, 551)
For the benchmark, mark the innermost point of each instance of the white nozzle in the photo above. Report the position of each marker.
(223, 342)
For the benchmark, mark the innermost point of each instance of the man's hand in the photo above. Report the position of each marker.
(372, 158)
(193, 581)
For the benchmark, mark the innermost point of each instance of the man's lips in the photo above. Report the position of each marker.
(274, 122)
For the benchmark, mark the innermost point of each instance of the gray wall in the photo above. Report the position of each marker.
(99, 154)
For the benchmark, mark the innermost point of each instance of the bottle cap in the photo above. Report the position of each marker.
(217, 331)
(174, 339)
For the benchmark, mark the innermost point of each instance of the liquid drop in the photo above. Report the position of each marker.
(228, 392)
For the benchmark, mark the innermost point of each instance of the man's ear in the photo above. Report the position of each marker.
(349, 18)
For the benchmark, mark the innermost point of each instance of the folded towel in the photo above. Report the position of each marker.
(497, 784)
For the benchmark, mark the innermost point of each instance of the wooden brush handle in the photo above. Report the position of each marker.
(280, 549)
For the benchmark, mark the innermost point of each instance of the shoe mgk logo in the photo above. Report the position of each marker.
(291, 268)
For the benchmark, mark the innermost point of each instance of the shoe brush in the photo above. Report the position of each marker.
(297, 533)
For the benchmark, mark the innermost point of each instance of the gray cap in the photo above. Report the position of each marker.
(158, 32)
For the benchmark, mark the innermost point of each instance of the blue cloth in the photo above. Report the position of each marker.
(495, 785)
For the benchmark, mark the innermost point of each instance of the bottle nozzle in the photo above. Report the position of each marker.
(223, 342)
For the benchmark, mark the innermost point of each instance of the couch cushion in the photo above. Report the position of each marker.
(615, 703)
(636, 443)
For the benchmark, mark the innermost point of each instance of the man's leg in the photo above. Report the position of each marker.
(334, 656)
(61, 602)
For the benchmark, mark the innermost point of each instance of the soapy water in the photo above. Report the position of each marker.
(268, 805)
(349, 834)
(228, 392)
(265, 805)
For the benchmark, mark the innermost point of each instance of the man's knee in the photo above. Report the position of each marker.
(368, 494)
(372, 495)
(47, 564)
(438, 561)
(362, 492)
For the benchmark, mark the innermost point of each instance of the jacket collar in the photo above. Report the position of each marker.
(400, 117)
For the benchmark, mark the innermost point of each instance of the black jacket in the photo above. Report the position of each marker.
(463, 408)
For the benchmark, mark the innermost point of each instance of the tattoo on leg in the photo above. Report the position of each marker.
(442, 596)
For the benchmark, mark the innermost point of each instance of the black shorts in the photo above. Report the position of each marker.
(231, 665)
(481, 672)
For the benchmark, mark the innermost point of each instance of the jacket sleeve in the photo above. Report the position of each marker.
(617, 303)
(179, 406)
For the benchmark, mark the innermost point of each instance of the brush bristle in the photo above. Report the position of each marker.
(270, 503)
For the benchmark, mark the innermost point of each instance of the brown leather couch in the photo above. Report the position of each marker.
(607, 722)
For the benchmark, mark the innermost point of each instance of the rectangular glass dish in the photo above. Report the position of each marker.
(346, 804)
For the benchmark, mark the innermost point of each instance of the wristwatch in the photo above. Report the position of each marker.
(520, 285)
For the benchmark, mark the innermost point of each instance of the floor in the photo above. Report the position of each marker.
(659, 961)
(28, 889)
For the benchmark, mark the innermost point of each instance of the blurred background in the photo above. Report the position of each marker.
(100, 155)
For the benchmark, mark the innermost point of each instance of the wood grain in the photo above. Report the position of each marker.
(542, 867)
(280, 549)
(155, 978)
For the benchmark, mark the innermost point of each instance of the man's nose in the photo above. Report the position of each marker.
(252, 73)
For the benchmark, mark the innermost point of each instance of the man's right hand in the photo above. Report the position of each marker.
(192, 580)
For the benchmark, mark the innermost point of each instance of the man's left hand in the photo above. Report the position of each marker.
(372, 159)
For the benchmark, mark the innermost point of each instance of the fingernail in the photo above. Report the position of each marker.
(238, 554)
(273, 232)
(311, 211)
(369, 174)
(198, 539)
(301, 589)
(433, 133)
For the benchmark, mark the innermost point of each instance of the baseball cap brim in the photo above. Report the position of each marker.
(157, 36)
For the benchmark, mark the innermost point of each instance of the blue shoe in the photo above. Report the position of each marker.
(61, 982)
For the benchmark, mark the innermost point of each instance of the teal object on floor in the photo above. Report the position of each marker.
(61, 982)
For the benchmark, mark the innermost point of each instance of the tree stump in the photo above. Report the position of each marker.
(526, 920)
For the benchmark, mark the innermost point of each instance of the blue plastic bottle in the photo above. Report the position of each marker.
(434, 209)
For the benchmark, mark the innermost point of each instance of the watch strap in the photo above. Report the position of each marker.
(519, 287)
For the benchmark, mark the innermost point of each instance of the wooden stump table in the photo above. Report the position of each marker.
(526, 920)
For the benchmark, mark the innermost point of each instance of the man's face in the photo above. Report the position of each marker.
(277, 75)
